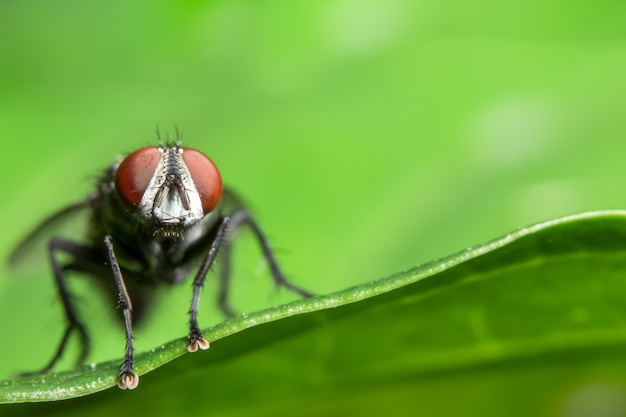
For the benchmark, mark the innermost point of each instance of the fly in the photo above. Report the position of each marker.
(156, 216)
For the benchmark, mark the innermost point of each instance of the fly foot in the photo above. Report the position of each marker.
(197, 340)
(127, 378)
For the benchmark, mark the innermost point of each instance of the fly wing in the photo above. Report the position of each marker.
(31, 249)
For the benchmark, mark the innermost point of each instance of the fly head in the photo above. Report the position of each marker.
(169, 188)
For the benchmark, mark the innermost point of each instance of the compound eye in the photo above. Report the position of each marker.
(205, 176)
(135, 173)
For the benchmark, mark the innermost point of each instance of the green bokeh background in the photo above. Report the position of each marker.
(367, 135)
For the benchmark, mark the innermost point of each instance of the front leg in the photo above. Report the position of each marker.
(196, 338)
(127, 378)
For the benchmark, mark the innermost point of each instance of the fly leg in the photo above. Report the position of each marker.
(239, 219)
(127, 378)
(224, 227)
(196, 338)
(243, 218)
(74, 324)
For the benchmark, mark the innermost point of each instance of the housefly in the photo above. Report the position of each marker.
(157, 215)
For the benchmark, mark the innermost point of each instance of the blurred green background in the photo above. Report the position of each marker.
(368, 136)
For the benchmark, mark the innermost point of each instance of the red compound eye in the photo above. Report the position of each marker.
(205, 176)
(134, 174)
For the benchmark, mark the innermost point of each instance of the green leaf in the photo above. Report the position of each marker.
(540, 310)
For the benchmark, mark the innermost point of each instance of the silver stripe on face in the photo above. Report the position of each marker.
(171, 198)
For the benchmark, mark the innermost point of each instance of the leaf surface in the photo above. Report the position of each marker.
(538, 309)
